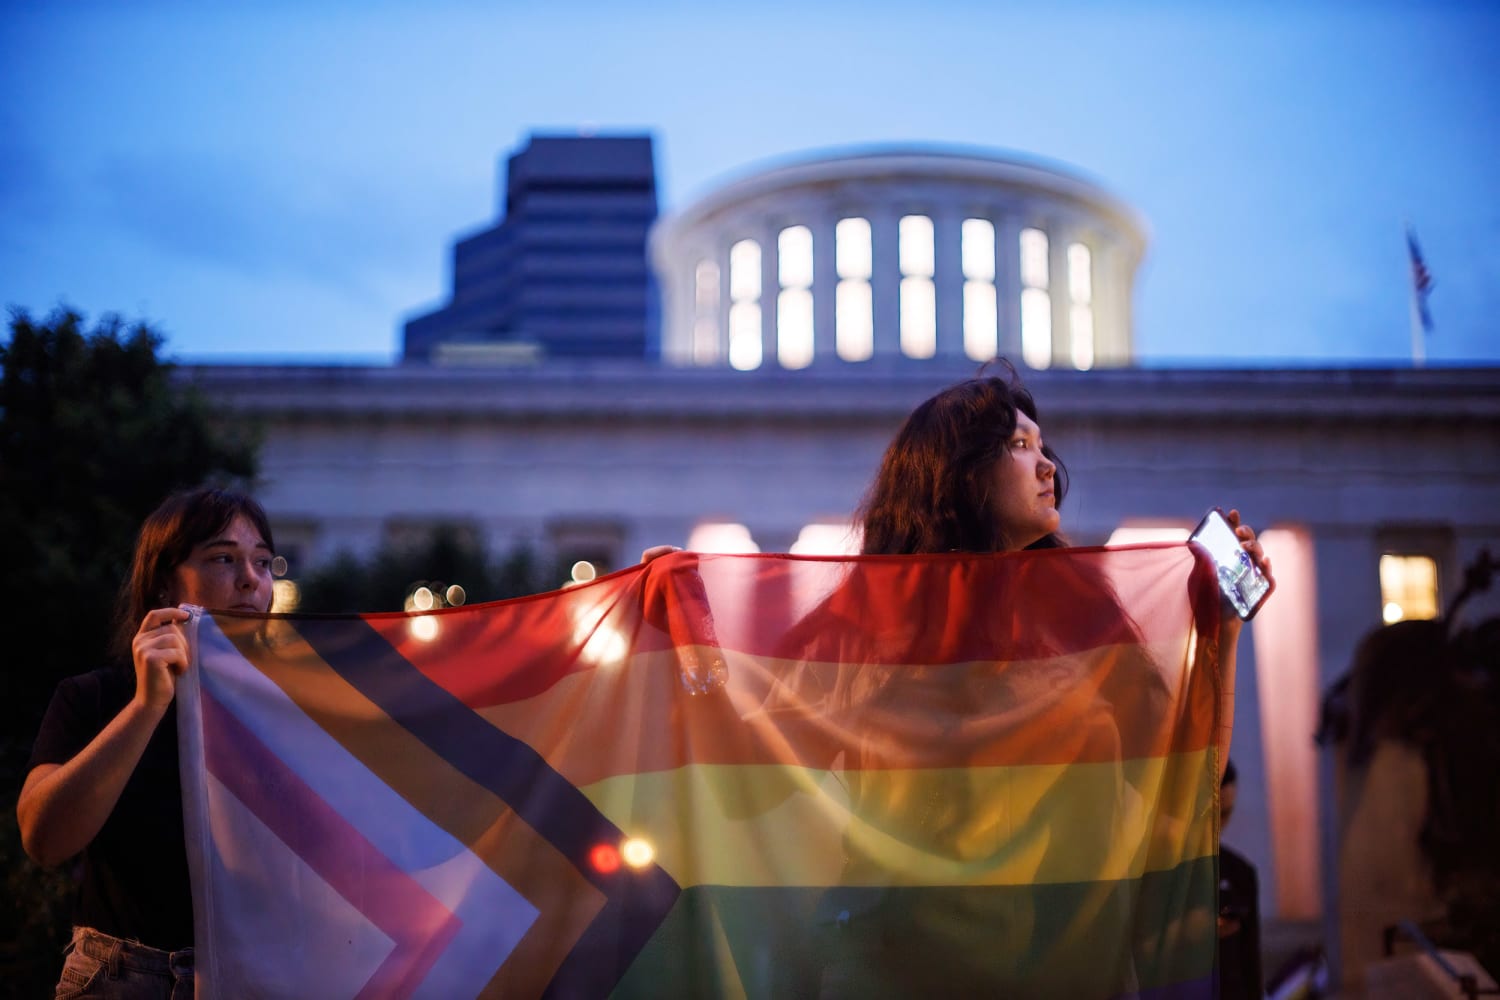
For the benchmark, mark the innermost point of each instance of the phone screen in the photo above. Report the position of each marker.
(1239, 578)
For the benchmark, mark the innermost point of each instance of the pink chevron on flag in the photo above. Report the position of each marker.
(311, 868)
(392, 900)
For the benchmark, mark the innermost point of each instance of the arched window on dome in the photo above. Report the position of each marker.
(918, 297)
(981, 318)
(744, 305)
(1081, 306)
(1036, 300)
(706, 313)
(794, 302)
(854, 309)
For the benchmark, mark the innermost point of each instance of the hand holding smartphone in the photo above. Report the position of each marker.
(1241, 581)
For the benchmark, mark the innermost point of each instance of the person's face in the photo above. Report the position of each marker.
(229, 572)
(1227, 794)
(1025, 503)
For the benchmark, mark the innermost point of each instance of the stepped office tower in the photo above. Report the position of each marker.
(563, 274)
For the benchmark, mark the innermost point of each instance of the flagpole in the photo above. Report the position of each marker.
(1419, 282)
(1418, 344)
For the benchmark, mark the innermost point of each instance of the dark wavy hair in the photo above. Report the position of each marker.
(167, 537)
(933, 490)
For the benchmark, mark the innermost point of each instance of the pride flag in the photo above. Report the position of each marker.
(720, 776)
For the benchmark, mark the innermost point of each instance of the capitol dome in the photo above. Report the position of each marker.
(899, 253)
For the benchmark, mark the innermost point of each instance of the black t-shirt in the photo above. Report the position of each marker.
(1239, 953)
(135, 875)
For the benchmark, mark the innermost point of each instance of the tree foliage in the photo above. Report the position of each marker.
(447, 555)
(94, 432)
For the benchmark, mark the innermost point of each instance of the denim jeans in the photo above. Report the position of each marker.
(108, 968)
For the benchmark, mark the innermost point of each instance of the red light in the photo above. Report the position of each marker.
(605, 859)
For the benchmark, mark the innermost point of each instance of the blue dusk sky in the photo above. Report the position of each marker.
(284, 180)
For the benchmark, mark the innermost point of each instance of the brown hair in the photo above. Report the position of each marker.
(933, 490)
(167, 537)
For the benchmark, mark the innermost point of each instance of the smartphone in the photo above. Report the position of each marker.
(1240, 579)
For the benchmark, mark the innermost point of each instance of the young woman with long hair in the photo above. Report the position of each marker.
(103, 782)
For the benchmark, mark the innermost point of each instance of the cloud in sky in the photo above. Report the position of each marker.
(288, 178)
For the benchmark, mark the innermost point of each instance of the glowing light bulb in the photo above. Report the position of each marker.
(285, 595)
(604, 858)
(637, 853)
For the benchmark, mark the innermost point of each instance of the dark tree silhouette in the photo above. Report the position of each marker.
(94, 431)
(445, 556)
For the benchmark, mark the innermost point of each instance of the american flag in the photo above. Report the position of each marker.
(1421, 280)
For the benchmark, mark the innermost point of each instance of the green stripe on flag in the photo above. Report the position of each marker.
(1077, 940)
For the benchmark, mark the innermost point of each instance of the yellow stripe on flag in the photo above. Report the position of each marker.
(740, 825)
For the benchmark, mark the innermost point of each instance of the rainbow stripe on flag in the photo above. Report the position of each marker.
(761, 776)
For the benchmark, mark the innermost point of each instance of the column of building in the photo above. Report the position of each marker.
(824, 225)
(720, 256)
(1058, 231)
(1008, 280)
(765, 233)
(885, 279)
(948, 279)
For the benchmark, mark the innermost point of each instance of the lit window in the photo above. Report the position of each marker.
(285, 596)
(794, 257)
(916, 246)
(825, 539)
(705, 342)
(981, 316)
(978, 237)
(1033, 258)
(918, 325)
(852, 256)
(1144, 532)
(744, 271)
(1036, 327)
(794, 328)
(1408, 587)
(1080, 280)
(794, 303)
(744, 305)
(744, 336)
(722, 536)
(1081, 306)
(854, 326)
(980, 320)
(1036, 301)
(706, 313)
(1081, 328)
(918, 297)
(856, 320)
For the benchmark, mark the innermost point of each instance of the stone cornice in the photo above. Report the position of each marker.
(637, 392)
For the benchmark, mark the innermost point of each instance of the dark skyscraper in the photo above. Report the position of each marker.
(564, 273)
